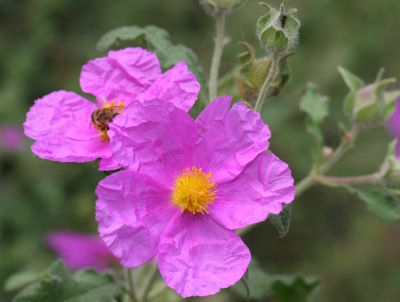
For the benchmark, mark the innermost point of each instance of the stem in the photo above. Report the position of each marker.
(351, 180)
(262, 96)
(219, 42)
(149, 283)
(345, 145)
(131, 297)
(317, 172)
(305, 184)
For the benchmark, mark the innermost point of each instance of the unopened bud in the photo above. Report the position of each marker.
(278, 30)
(369, 105)
(253, 72)
(327, 152)
(348, 137)
(391, 170)
(220, 7)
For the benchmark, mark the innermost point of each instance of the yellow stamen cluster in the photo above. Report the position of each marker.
(117, 108)
(194, 190)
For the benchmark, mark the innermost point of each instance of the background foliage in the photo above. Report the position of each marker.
(44, 43)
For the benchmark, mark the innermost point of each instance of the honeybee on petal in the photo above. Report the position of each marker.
(101, 117)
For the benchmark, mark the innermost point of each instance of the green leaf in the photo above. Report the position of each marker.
(352, 81)
(282, 221)
(20, 280)
(59, 285)
(297, 288)
(283, 288)
(256, 284)
(315, 105)
(379, 201)
(118, 36)
(156, 40)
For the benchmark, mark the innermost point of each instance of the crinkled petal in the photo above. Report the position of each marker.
(264, 186)
(132, 210)
(229, 140)
(80, 251)
(60, 122)
(198, 257)
(393, 124)
(108, 164)
(177, 86)
(121, 76)
(154, 138)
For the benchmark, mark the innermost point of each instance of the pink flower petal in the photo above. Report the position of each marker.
(80, 251)
(108, 164)
(121, 76)
(198, 257)
(60, 122)
(393, 124)
(264, 186)
(177, 86)
(132, 210)
(154, 138)
(229, 140)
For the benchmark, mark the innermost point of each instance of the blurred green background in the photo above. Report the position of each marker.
(44, 43)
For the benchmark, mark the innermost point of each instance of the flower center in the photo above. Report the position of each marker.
(194, 190)
(101, 117)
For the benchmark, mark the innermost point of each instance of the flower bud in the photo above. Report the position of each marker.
(327, 152)
(368, 105)
(220, 7)
(253, 72)
(391, 170)
(278, 31)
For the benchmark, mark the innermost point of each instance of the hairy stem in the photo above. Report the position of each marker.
(149, 283)
(131, 297)
(272, 73)
(312, 178)
(351, 180)
(316, 174)
(304, 184)
(219, 43)
(346, 144)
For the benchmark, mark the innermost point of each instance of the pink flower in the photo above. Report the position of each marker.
(80, 251)
(393, 124)
(189, 185)
(11, 138)
(69, 128)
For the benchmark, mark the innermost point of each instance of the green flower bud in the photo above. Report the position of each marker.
(219, 7)
(368, 105)
(278, 31)
(390, 170)
(253, 72)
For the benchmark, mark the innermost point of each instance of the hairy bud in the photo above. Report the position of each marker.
(253, 72)
(278, 30)
(369, 104)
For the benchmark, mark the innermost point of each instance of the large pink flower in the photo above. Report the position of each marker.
(394, 126)
(80, 251)
(188, 186)
(69, 128)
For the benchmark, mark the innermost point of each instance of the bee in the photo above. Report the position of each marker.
(101, 117)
